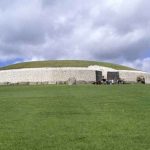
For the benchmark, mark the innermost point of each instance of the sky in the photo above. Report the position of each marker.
(116, 31)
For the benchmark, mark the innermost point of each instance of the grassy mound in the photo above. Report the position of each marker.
(75, 117)
(63, 63)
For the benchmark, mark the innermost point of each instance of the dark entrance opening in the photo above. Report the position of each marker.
(98, 76)
(113, 76)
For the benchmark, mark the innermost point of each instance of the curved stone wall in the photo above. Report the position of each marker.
(50, 75)
(127, 75)
(55, 75)
(131, 76)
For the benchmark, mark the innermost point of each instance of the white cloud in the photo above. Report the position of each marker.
(112, 30)
(140, 64)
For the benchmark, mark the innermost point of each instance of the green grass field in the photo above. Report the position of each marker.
(84, 117)
(64, 63)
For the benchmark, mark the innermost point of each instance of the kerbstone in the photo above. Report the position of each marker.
(71, 81)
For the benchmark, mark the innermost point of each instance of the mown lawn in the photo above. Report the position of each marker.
(83, 117)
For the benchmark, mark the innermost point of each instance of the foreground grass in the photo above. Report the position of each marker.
(75, 117)
(63, 63)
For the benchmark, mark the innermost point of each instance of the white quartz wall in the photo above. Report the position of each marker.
(127, 75)
(131, 76)
(51, 75)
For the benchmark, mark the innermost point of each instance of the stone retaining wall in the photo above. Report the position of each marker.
(47, 75)
(34, 76)
(131, 76)
(127, 75)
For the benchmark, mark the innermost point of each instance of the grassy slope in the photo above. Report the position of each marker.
(75, 117)
(63, 63)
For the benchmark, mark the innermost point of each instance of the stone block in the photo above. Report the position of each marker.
(71, 81)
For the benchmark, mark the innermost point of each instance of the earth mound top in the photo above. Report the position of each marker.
(64, 63)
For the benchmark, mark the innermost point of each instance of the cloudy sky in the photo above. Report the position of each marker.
(115, 31)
